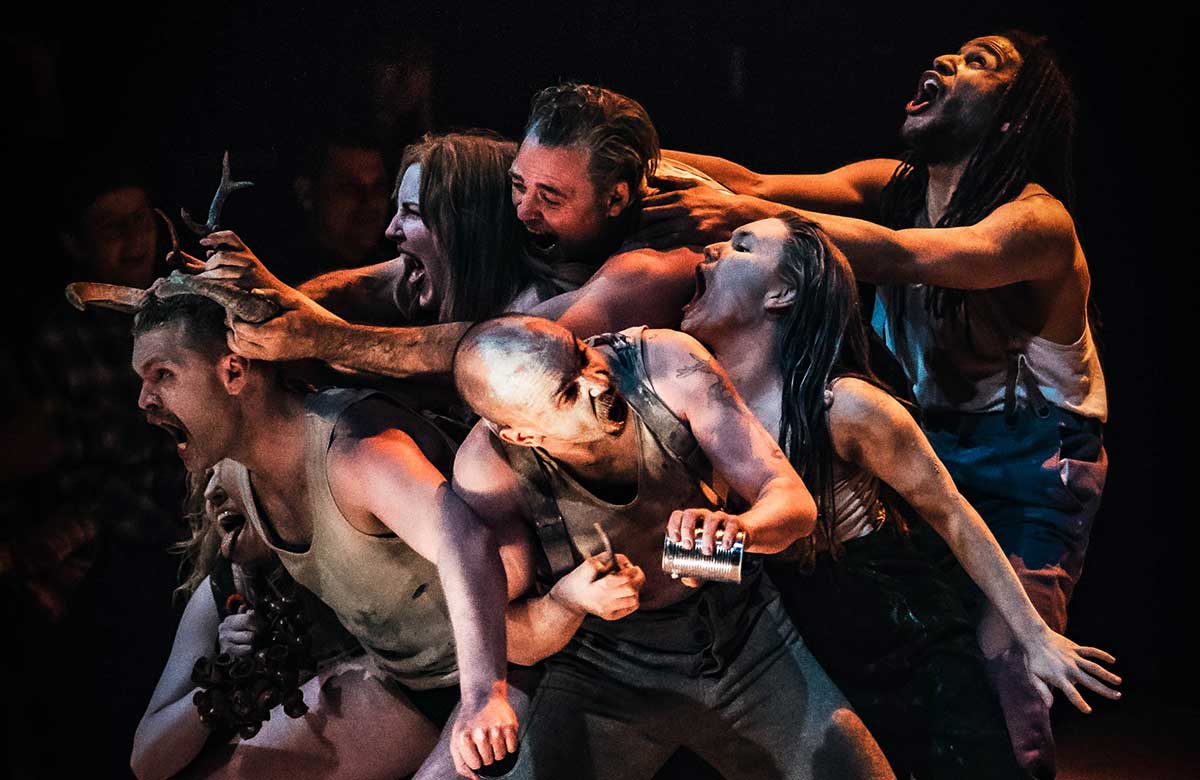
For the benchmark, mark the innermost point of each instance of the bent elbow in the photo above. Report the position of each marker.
(806, 517)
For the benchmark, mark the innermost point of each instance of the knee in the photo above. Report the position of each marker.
(849, 751)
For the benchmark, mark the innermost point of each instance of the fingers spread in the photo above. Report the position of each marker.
(1095, 652)
(1044, 691)
(1096, 670)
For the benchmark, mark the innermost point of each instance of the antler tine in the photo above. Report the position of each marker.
(177, 258)
(227, 186)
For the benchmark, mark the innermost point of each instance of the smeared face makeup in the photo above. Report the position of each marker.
(734, 279)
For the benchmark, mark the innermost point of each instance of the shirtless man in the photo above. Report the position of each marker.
(629, 433)
(586, 161)
(983, 293)
(347, 488)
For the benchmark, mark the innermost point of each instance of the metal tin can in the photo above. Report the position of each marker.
(723, 565)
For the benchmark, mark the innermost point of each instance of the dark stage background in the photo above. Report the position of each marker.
(780, 86)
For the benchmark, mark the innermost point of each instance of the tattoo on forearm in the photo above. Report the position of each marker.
(719, 391)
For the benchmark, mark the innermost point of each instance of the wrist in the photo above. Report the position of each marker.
(557, 596)
(475, 695)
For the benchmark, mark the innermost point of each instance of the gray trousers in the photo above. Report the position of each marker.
(723, 673)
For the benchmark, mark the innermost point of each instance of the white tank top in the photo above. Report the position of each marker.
(998, 361)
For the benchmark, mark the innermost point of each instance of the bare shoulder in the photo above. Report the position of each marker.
(483, 477)
(683, 371)
(862, 413)
(642, 262)
(1035, 212)
(371, 415)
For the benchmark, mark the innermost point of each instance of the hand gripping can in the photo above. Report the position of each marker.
(723, 565)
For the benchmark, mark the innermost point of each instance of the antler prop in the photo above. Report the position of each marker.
(227, 186)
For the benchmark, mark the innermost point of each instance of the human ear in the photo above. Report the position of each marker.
(519, 437)
(618, 199)
(234, 371)
(780, 297)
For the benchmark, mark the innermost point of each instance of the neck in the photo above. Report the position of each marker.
(749, 355)
(610, 459)
(271, 447)
(943, 181)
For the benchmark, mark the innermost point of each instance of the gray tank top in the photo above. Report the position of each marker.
(994, 367)
(382, 591)
(673, 473)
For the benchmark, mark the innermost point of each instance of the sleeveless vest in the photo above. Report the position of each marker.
(673, 473)
(382, 591)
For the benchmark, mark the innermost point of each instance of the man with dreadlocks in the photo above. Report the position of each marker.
(983, 293)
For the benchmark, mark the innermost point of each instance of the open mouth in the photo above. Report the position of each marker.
(612, 410)
(414, 291)
(701, 288)
(232, 524)
(929, 89)
(541, 244)
(174, 428)
(701, 284)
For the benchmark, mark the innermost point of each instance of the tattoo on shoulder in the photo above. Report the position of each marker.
(719, 391)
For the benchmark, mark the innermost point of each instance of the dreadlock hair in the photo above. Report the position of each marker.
(823, 337)
(1030, 140)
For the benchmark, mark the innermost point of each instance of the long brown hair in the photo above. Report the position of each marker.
(823, 337)
(466, 203)
(200, 552)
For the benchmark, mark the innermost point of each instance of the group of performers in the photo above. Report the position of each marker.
(464, 463)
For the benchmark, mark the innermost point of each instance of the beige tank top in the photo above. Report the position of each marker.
(382, 591)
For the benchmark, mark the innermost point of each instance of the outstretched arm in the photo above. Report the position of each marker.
(691, 212)
(1028, 239)
(852, 190)
(371, 294)
(871, 429)
(695, 387)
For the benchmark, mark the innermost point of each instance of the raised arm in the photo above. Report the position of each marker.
(306, 330)
(698, 391)
(170, 734)
(872, 430)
